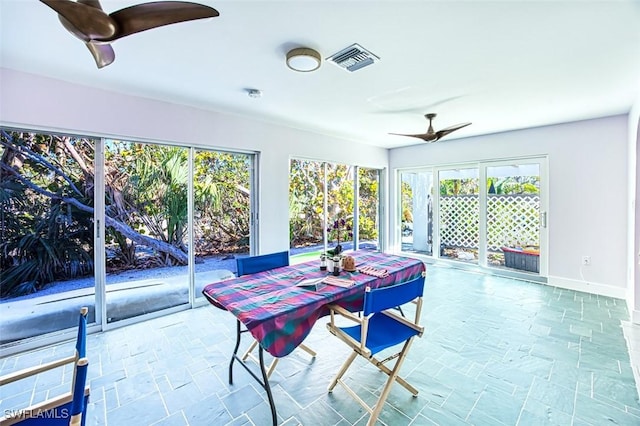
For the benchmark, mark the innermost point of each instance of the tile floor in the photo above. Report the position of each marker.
(496, 351)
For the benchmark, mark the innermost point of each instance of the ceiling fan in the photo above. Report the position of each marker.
(431, 135)
(86, 20)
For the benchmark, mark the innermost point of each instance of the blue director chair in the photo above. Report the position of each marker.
(380, 328)
(67, 409)
(253, 265)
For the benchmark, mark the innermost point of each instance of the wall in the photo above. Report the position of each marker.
(587, 197)
(633, 240)
(34, 102)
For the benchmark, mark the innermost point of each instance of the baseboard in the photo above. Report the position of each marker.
(588, 287)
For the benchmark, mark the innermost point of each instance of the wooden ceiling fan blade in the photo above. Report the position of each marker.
(424, 136)
(146, 16)
(102, 53)
(444, 132)
(92, 3)
(85, 21)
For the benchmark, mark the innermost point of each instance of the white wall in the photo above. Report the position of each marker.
(633, 240)
(34, 102)
(588, 184)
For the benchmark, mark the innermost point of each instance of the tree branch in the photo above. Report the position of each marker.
(38, 159)
(123, 228)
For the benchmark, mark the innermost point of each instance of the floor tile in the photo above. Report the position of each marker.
(495, 351)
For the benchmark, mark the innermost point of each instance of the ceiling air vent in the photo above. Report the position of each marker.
(353, 58)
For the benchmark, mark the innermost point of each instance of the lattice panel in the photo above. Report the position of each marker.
(512, 220)
(459, 221)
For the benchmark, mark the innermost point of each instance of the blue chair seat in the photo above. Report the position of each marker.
(384, 332)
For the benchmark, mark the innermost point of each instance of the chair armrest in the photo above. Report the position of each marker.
(345, 313)
(31, 371)
(400, 318)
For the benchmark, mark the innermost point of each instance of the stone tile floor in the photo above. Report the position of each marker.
(496, 351)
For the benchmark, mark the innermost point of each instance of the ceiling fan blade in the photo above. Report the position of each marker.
(102, 53)
(92, 3)
(85, 21)
(424, 136)
(146, 16)
(444, 132)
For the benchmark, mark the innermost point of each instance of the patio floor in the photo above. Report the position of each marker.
(496, 351)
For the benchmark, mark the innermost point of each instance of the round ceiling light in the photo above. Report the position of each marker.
(303, 59)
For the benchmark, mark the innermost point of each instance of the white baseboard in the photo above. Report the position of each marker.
(589, 287)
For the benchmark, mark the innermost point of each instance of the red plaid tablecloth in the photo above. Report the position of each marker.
(280, 314)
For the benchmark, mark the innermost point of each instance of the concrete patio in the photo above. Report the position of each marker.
(45, 314)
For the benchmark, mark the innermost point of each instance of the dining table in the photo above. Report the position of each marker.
(280, 306)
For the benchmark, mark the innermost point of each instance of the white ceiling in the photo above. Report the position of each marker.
(501, 65)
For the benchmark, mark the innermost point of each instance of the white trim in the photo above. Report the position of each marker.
(588, 287)
(634, 315)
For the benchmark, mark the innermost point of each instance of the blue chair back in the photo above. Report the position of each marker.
(376, 300)
(81, 340)
(80, 400)
(255, 264)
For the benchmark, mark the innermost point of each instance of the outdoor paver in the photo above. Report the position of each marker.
(495, 351)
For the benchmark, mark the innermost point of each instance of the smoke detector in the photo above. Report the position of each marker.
(353, 58)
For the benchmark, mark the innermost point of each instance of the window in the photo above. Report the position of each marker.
(168, 220)
(331, 204)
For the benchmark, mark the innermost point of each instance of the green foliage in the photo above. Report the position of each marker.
(515, 185)
(459, 186)
(222, 189)
(307, 218)
(43, 238)
(46, 200)
(306, 200)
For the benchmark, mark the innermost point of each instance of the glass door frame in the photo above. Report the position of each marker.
(542, 163)
(482, 166)
(99, 232)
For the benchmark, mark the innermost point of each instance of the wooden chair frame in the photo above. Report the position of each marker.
(31, 414)
(360, 349)
(282, 259)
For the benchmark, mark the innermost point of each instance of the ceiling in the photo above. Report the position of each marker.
(501, 65)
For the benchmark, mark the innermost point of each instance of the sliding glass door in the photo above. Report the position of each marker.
(46, 233)
(416, 211)
(125, 228)
(459, 214)
(491, 214)
(514, 217)
(222, 192)
(145, 228)
(154, 195)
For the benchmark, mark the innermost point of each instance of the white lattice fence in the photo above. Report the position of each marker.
(513, 220)
(459, 221)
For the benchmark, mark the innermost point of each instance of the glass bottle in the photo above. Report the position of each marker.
(336, 266)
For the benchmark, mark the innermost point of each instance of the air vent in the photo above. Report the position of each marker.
(353, 58)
